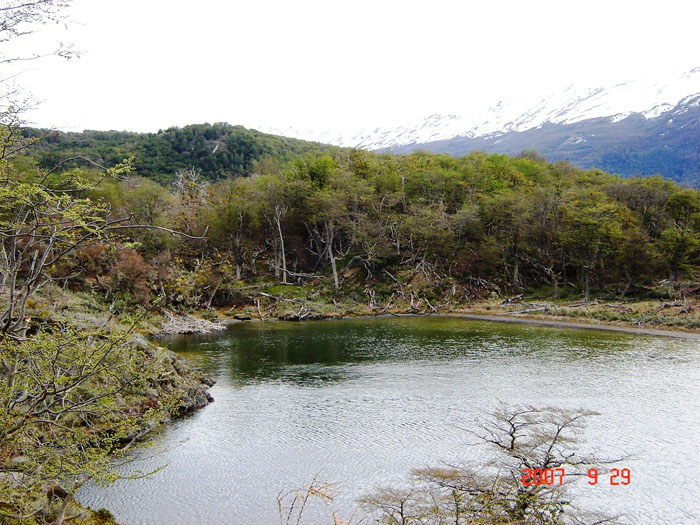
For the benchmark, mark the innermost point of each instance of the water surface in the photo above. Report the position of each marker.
(363, 402)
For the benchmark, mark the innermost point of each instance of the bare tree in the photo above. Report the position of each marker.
(292, 503)
(509, 486)
(20, 19)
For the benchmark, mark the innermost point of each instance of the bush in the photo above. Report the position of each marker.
(131, 275)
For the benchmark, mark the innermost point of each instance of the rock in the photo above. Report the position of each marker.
(194, 398)
(206, 380)
(187, 324)
(178, 377)
(57, 492)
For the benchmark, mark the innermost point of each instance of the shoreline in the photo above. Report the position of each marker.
(571, 324)
(495, 317)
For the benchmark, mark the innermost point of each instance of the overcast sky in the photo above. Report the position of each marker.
(337, 64)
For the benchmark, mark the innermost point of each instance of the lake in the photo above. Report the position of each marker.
(363, 402)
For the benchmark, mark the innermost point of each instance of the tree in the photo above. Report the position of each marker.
(542, 235)
(593, 227)
(333, 210)
(42, 219)
(70, 396)
(525, 442)
(502, 217)
(681, 240)
(277, 196)
(67, 410)
(235, 219)
(19, 19)
(147, 202)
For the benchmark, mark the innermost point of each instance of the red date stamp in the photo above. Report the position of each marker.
(555, 476)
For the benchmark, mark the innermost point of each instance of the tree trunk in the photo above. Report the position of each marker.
(238, 272)
(62, 511)
(277, 261)
(10, 372)
(329, 237)
(587, 296)
(625, 289)
(278, 216)
(564, 278)
(213, 293)
(671, 282)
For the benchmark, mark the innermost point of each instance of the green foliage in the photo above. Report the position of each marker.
(594, 227)
(506, 223)
(516, 223)
(216, 150)
(69, 401)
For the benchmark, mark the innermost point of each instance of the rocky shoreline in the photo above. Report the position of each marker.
(178, 377)
(187, 324)
(508, 313)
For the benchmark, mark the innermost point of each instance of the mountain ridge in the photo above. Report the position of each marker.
(640, 127)
(650, 98)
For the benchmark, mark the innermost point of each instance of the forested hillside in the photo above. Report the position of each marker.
(214, 150)
(89, 254)
(459, 227)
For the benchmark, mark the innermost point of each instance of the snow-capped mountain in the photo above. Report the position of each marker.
(649, 98)
(641, 127)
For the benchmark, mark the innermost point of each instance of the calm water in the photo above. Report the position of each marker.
(364, 402)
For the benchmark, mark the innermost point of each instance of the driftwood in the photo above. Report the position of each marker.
(372, 304)
(297, 274)
(300, 315)
(619, 307)
(687, 306)
(430, 305)
(187, 324)
(388, 305)
(397, 282)
(514, 299)
(543, 308)
(576, 304)
(286, 299)
(413, 307)
(667, 305)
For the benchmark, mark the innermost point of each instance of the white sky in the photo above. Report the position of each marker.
(340, 65)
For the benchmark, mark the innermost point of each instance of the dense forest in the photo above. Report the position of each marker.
(475, 225)
(214, 150)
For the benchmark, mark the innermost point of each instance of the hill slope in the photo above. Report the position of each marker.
(216, 150)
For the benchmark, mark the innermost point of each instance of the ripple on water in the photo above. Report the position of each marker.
(365, 402)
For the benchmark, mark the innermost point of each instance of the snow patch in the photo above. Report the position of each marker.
(574, 139)
(619, 117)
(616, 102)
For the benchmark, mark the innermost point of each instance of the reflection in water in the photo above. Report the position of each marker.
(365, 401)
(267, 351)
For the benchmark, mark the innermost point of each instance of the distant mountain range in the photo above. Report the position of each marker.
(632, 128)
